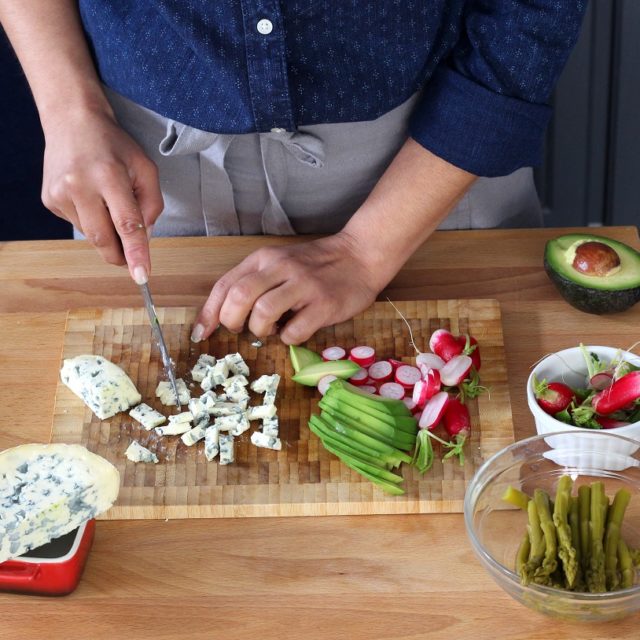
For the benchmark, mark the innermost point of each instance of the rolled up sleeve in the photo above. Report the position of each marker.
(485, 107)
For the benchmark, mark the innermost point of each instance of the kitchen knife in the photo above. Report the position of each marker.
(162, 345)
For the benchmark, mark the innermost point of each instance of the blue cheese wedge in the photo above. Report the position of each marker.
(270, 426)
(211, 447)
(225, 444)
(49, 490)
(261, 411)
(194, 435)
(237, 365)
(202, 367)
(137, 453)
(164, 391)
(147, 416)
(265, 441)
(103, 386)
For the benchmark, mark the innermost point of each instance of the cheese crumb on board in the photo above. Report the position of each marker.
(265, 441)
(103, 386)
(225, 443)
(147, 416)
(193, 436)
(137, 453)
(164, 391)
(211, 448)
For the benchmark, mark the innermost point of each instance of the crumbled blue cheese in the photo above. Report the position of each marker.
(103, 386)
(270, 426)
(164, 391)
(193, 436)
(225, 409)
(173, 429)
(265, 382)
(235, 381)
(225, 444)
(235, 424)
(237, 365)
(49, 490)
(147, 416)
(202, 367)
(198, 409)
(261, 411)
(211, 448)
(265, 441)
(185, 416)
(137, 453)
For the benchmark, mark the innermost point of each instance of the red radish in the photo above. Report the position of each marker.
(407, 376)
(444, 344)
(621, 393)
(434, 382)
(381, 371)
(359, 378)
(410, 404)
(457, 423)
(601, 381)
(610, 423)
(369, 388)
(334, 353)
(391, 390)
(420, 391)
(455, 371)
(395, 363)
(434, 410)
(323, 383)
(364, 356)
(430, 360)
(553, 397)
(473, 350)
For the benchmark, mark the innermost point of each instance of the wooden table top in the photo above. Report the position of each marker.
(353, 577)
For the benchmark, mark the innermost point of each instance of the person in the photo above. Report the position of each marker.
(372, 122)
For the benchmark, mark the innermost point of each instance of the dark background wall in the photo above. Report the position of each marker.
(591, 172)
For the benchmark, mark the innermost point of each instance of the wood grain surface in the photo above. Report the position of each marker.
(401, 577)
(303, 478)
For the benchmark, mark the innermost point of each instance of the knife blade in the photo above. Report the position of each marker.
(162, 345)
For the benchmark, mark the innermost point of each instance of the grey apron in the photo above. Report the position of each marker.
(308, 181)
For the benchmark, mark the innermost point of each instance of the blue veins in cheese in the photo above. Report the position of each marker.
(137, 453)
(266, 441)
(49, 490)
(225, 409)
(103, 386)
(270, 426)
(202, 367)
(235, 381)
(185, 416)
(147, 416)
(194, 435)
(174, 429)
(265, 382)
(211, 448)
(261, 411)
(237, 365)
(216, 375)
(164, 391)
(198, 409)
(225, 444)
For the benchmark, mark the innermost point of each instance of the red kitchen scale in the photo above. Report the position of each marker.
(54, 569)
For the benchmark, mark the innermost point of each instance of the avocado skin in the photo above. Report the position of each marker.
(589, 300)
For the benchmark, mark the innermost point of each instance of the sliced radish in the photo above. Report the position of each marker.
(410, 404)
(420, 391)
(432, 381)
(391, 390)
(430, 360)
(334, 353)
(395, 363)
(363, 355)
(323, 383)
(407, 376)
(369, 388)
(455, 371)
(434, 410)
(601, 381)
(381, 371)
(359, 378)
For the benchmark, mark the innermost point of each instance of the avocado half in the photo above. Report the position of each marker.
(593, 273)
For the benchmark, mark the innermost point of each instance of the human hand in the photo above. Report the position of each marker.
(321, 283)
(99, 179)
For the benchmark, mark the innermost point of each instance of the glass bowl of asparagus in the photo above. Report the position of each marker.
(558, 531)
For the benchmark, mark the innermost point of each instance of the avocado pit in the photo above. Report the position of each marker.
(596, 259)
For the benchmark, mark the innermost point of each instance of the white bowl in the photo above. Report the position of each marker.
(568, 366)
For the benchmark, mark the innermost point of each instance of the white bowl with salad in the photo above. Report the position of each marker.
(593, 388)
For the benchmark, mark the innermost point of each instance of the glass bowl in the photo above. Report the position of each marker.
(495, 528)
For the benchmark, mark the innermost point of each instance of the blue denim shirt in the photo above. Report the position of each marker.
(486, 68)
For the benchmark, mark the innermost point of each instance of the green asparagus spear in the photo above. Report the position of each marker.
(550, 562)
(584, 509)
(566, 550)
(516, 497)
(612, 535)
(574, 523)
(599, 504)
(635, 557)
(537, 544)
(523, 554)
(626, 565)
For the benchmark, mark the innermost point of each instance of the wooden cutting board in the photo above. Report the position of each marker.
(303, 478)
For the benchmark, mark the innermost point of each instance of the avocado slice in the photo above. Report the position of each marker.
(593, 273)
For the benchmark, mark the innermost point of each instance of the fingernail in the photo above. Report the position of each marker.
(140, 275)
(149, 231)
(197, 333)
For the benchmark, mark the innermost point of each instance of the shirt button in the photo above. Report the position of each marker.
(265, 27)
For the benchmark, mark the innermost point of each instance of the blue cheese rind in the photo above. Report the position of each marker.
(226, 446)
(103, 386)
(49, 490)
(266, 441)
(137, 453)
(147, 416)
